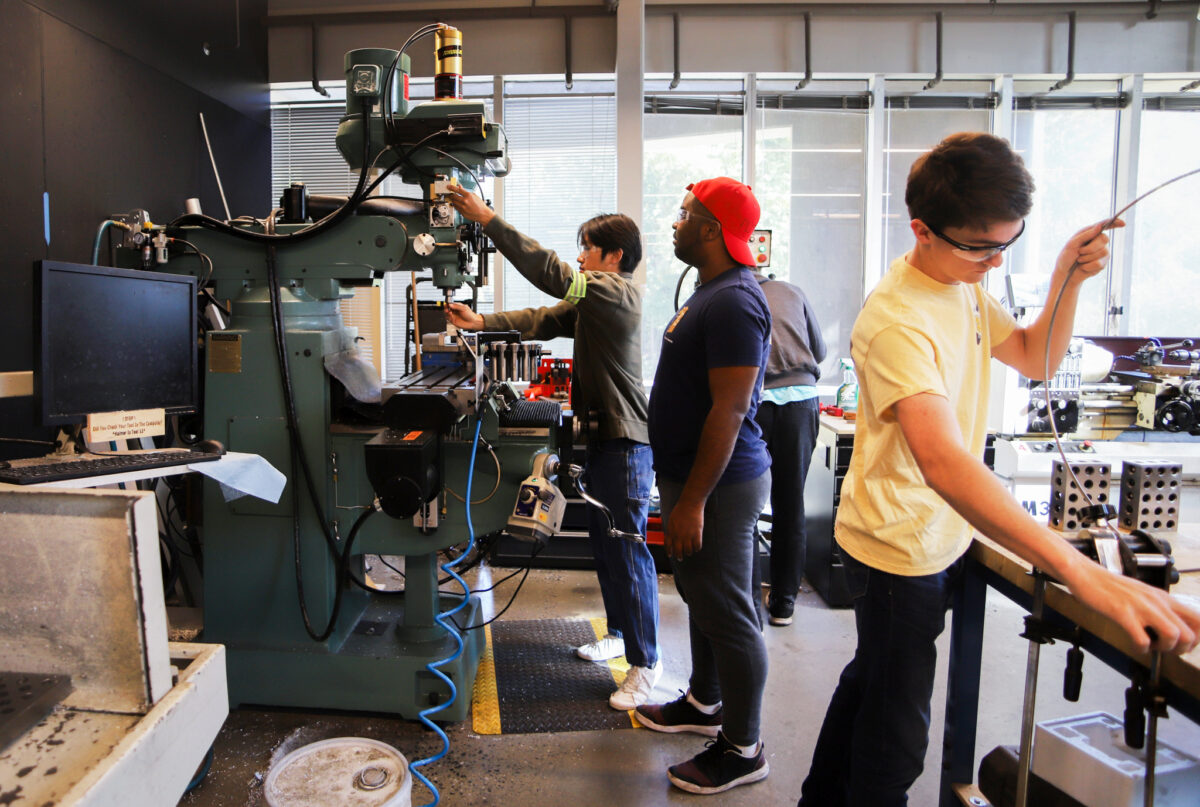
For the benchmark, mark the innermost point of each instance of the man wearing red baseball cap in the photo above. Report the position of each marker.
(714, 477)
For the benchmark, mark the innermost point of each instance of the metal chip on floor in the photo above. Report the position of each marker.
(532, 681)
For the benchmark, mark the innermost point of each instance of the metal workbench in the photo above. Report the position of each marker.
(987, 565)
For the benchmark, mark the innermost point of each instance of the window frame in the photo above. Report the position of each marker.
(1002, 93)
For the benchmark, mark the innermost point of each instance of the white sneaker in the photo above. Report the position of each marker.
(635, 691)
(602, 649)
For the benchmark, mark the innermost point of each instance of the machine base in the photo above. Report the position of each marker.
(376, 669)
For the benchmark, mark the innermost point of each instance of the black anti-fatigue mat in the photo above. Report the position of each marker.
(531, 681)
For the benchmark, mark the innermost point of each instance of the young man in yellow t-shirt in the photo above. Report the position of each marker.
(916, 486)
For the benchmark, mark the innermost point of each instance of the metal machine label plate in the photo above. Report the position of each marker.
(225, 353)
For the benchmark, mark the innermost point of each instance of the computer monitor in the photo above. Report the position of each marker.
(112, 340)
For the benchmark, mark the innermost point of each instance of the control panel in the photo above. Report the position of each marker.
(760, 247)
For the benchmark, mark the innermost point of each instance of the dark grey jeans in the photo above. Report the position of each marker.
(729, 656)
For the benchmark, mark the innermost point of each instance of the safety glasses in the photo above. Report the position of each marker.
(976, 254)
(684, 214)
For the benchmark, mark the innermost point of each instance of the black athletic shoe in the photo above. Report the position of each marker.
(678, 716)
(779, 612)
(718, 768)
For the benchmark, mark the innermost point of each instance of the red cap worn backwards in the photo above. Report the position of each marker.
(734, 205)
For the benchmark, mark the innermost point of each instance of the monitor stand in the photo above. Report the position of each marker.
(66, 442)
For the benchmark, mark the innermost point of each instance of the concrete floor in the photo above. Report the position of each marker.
(629, 766)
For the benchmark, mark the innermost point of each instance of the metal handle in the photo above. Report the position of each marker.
(576, 474)
(1157, 706)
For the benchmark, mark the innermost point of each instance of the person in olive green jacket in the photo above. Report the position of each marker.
(601, 309)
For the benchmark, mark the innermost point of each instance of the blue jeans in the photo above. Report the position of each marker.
(619, 473)
(718, 583)
(873, 741)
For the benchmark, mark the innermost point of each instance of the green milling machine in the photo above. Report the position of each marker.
(297, 632)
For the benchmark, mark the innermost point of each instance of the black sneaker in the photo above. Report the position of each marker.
(718, 768)
(679, 716)
(779, 612)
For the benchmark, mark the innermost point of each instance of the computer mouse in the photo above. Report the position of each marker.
(210, 447)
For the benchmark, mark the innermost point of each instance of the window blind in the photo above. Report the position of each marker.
(564, 172)
(303, 150)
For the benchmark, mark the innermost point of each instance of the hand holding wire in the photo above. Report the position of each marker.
(1086, 253)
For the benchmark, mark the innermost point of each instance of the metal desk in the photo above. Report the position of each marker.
(989, 565)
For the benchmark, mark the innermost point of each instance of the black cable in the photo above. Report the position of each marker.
(536, 550)
(475, 561)
(342, 569)
(390, 566)
(192, 541)
(168, 525)
(24, 441)
(313, 229)
(404, 157)
(679, 285)
(379, 179)
(465, 167)
(504, 579)
(289, 398)
(386, 591)
(215, 302)
(502, 610)
(171, 579)
(299, 456)
(398, 198)
(424, 30)
(472, 561)
(205, 261)
(482, 546)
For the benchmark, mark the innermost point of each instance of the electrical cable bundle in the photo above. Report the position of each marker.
(307, 232)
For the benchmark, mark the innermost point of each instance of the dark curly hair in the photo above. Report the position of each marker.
(610, 232)
(970, 179)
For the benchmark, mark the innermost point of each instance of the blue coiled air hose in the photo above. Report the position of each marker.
(444, 619)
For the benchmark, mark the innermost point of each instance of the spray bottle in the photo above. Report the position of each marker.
(847, 393)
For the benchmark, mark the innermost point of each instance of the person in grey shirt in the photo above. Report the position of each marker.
(601, 309)
(788, 417)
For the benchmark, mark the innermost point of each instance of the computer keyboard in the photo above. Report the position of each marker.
(53, 469)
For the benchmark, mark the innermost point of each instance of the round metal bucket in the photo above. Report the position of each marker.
(340, 772)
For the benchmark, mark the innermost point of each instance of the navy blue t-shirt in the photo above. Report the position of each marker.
(726, 323)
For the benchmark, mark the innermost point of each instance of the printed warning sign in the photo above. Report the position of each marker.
(104, 427)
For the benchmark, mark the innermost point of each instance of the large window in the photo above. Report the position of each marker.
(1069, 144)
(691, 133)
(564, 172)
(1165, 271)
(812, 161)
(916, 121)
(810, 178)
